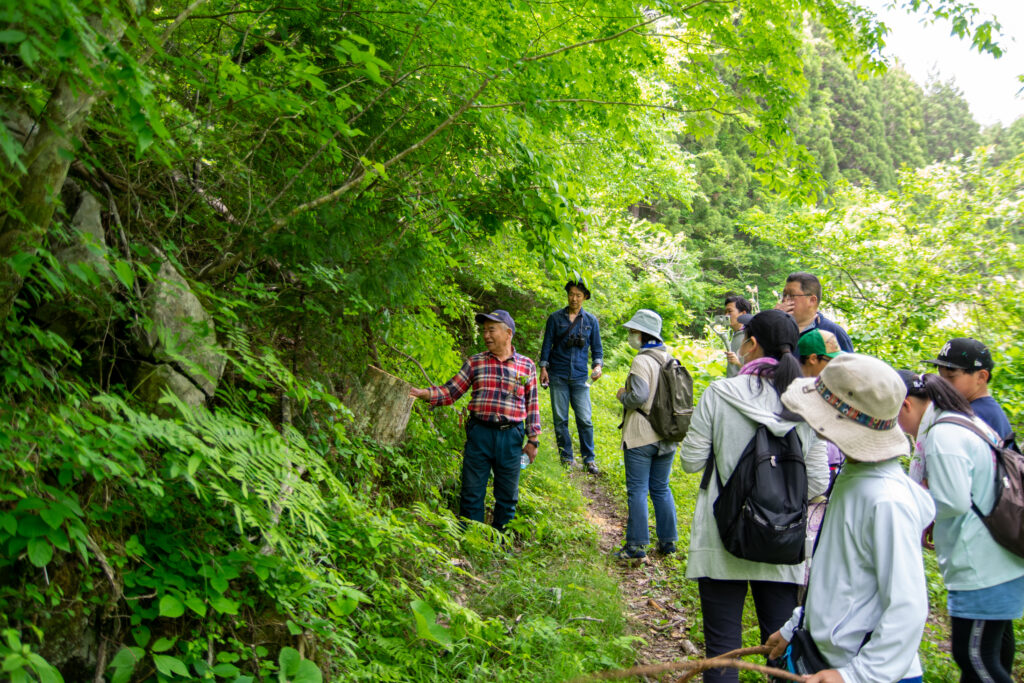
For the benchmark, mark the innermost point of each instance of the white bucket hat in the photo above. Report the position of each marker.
(646, 320)
(854, 403)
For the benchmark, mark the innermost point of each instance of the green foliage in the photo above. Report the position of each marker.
(910, 269)
(347, 186)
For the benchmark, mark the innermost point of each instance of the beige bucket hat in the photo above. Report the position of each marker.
(854, 403)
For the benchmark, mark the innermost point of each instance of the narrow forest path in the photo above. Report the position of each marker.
(655, 610)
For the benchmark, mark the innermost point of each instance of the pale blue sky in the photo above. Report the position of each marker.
(990, 85)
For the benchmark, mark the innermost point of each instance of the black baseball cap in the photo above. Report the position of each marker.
(774, 330)
(497, 316)
(964, 353)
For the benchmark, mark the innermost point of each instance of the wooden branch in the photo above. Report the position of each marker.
(148, 54)
(583, 100)
(361, 174)
(415, 36)
(594, 41)
(693, 667)
(430, 382)
(719, 663)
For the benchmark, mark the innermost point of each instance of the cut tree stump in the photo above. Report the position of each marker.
(381, 406)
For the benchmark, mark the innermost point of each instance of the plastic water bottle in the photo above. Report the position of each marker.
(524, 461)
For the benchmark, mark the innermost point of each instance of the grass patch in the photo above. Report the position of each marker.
(557, 607)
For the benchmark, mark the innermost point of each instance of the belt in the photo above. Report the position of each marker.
(493, 424)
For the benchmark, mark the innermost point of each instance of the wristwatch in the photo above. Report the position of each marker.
(535, 442)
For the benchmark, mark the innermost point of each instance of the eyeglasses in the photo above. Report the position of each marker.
(793, 296)
(948, 373)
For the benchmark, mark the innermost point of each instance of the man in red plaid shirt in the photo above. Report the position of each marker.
(503, 409)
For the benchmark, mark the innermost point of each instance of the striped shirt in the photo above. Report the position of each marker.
(503, 391)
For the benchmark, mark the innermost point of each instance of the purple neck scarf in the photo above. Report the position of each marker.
(755, 366)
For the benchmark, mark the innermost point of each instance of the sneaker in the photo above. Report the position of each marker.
(631, 552)
(592, 468)
(568, 463)
(667, 548)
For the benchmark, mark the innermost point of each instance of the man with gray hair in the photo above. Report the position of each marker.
(503, 411)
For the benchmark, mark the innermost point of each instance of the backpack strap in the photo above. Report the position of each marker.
(558, 342)
(654, 353)
(970, 424)
(709, 468)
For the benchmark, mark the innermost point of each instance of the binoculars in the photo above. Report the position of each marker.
(575, 341)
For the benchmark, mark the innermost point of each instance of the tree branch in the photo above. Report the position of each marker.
(171, 29)
(581, 100)
(358, 178)
(594, 41)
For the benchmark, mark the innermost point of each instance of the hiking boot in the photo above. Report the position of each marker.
(631, 552)
(592, 468)
(666, 548)
(568, 463)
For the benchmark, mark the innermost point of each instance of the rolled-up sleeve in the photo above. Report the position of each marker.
(532, 406)
(794, 620)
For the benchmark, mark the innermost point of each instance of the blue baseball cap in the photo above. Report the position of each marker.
(498, 316)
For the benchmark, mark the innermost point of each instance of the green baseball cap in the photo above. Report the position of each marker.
(820, 342)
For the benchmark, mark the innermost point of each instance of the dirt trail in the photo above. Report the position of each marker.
(653, 608)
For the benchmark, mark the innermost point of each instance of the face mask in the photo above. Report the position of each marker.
(740, 355)
(635, 340)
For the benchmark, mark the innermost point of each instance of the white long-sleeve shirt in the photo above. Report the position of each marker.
(867, 575)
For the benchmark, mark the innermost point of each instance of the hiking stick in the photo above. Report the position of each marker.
(692, 668)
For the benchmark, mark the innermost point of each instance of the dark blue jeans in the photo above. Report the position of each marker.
(576, 393)
(648, 473)
(487, 450)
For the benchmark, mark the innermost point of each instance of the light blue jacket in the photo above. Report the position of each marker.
(960, 468)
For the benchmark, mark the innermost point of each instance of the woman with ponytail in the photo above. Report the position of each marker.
(985, 581)
(724, 421)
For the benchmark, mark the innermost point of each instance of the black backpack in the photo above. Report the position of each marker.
(1006, 521)
(672, 408)
(761, 512)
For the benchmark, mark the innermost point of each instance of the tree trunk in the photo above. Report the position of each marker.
(47, 162)
(381, 406)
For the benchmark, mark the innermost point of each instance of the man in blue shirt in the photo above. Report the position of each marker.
(800, 298)
(967, 364)
(569, 335)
